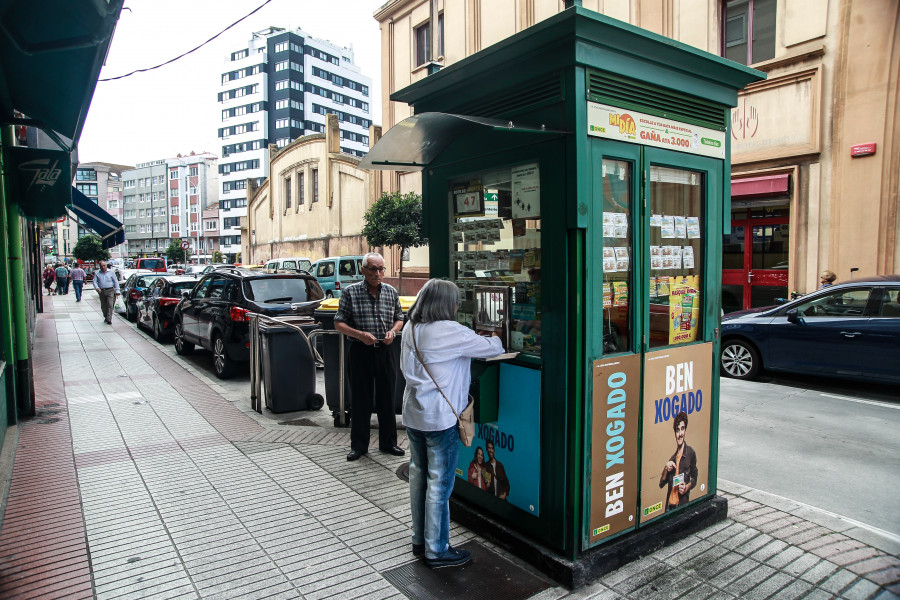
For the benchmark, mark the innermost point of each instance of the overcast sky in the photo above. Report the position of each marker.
(173, 109)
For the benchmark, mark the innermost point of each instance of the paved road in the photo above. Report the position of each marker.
(832, 445)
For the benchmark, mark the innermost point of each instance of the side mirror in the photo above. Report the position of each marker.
(185, 294)
(794, 317)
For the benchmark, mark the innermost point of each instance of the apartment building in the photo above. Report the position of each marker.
(193, 188)
(277, 88)
(813, 151)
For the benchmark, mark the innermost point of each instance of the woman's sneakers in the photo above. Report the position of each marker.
(451, 558)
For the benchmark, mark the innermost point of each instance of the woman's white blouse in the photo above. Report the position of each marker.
(447, 347)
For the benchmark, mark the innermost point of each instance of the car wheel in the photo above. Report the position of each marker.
(182, 347)
(740, 360)
(223, 366)
(157, 329)
(329, 294)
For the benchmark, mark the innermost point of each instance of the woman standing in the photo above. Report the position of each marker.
(476, 470)
(432, 337)
(49, 277)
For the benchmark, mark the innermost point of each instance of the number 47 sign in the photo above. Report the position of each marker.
(468, 203)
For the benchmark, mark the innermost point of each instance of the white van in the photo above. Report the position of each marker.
(290, 265)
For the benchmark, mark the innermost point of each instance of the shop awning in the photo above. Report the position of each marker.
(51, 52)
(413, 143)
(98, 220)
(760, 187)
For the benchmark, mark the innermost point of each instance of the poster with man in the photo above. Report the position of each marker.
(678, 404)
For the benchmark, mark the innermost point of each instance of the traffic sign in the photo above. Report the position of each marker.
(185, 244)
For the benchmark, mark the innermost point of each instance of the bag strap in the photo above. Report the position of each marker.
(427, 370)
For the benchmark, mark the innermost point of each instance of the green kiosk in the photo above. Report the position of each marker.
(575, 186)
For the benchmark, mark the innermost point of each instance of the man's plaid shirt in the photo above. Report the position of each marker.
(360, 310)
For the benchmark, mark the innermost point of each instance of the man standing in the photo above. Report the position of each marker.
(680, 472)
(496, 474)
(369, 312)
(107, 285)
(62, 279)
(77, 276)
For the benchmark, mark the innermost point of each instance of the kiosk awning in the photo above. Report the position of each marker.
(109, 229)
(413, 143)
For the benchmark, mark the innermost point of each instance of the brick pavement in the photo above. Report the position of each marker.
(143, 478)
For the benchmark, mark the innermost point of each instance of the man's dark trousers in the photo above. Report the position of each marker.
(373, 371)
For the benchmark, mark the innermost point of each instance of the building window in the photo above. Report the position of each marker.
(281, 66)
(281, 47)
(88, 189)
(287, 192)
(423, 42)
(281, 85)
(315, 185)
(282, 142)
(281, 104)
(279, 123)
(749, 30)
(300, 189)
(85, 175)
(210, 225)
(240, 54)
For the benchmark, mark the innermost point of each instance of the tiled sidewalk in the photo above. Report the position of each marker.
(138, 479)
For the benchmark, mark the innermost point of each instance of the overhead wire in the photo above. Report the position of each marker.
(180, 56)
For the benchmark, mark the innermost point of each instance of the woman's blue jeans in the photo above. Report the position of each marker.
(432, 472)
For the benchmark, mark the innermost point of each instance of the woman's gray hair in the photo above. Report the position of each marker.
(437, 301)
(365, 259)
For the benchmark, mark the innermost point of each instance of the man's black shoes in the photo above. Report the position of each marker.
(418, 550)
(395, 450)
(451, 558)
(354, 455)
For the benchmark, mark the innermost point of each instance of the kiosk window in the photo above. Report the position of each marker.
(617, 264)
(676, 226)
(495, 242)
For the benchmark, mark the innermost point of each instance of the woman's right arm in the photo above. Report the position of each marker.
(472, 345)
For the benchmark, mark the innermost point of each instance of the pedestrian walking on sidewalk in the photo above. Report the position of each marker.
(107, 285)
(369, 312)
(62, 279)
(435, 357)
(49, 277)
(76, 276)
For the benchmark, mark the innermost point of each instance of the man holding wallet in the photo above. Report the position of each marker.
(680, 472)
(369, 312)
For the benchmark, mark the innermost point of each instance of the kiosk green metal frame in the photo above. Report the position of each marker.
(582, 163)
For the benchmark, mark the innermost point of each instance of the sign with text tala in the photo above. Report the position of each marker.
(640, 128)
(675, 440)
(614, 445)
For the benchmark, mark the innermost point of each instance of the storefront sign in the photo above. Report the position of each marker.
(41, 180)
(526, 192)
(640, 128)
(676, 428)
(614, 444)
(504, 459)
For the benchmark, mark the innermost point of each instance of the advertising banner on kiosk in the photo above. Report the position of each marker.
(676, 428)
(504, 458)
(614, 445)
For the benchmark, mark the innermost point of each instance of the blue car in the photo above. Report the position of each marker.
(849, 330)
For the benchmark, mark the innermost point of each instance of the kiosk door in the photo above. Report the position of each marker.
(652, 350)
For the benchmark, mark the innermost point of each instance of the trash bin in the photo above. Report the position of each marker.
(331, 355)
(288, 368)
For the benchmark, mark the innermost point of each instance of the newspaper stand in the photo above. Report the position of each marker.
(583, 164)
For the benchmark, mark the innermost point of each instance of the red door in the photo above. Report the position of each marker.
(755, 258)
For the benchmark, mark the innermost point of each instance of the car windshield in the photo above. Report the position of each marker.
(277, 290)
(153, 264)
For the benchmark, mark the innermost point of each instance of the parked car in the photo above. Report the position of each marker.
(157, 308)
(337, 272)
(214, 315)
(156, 264)
(133, 292)
(849, 330)
(123, 274)
(210, 268)
(283, 265)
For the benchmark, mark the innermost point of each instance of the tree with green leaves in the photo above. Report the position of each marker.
(175, 253)
(90, 248)
(395, 220)
(217, 257)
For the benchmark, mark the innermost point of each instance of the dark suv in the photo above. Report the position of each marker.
(215, 314)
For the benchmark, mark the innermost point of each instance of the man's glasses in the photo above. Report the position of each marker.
(378, 269)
